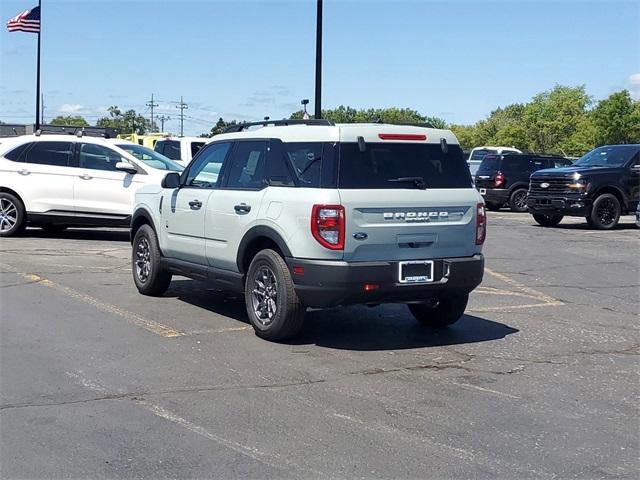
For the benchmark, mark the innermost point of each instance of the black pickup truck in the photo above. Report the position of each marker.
(600, 186)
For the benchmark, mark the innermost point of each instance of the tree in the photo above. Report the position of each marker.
(343, 114)
(69, 120)
(124, 122)
(616, 119)
(219, 127)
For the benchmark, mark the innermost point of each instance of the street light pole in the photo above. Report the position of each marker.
(318, 107)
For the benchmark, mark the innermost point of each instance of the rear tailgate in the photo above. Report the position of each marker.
(409, 224)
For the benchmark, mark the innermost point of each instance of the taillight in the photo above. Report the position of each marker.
(481, 224)
(327, 226)
(498, 180)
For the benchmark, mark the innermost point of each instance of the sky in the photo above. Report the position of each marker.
(243, 60)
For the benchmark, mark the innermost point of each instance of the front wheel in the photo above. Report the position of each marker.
(605, 212)
(273, 307)
(148, 275)
(13, 217)
(446, 312)
(518, 200)
(548, 220)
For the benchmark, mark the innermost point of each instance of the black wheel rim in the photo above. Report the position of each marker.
(264, 296)
(8, 214)
(143, 260)
(520, 200)
(606, 211)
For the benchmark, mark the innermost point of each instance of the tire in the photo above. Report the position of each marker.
(13, 217)
(518, 200)
(148, 276)
(273, 307)
(605, 212)
(53, 229)
(447, 311)
(494, 207)
(548, 220)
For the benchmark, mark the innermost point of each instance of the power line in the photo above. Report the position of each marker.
(182, 106)
(163, 119)
(150, 104)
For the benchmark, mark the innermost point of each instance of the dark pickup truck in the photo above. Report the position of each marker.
(600, 186)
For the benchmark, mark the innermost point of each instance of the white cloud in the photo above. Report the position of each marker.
(70, 108)
(634, 86)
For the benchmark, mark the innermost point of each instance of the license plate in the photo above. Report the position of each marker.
(416, 271)
(483, 191)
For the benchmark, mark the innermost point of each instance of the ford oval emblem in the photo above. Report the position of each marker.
(544, 185)
(360, 236)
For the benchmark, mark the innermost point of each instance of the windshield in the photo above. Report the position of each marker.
(608, 156)
(151, 158)
(479, 154)
(398, 165)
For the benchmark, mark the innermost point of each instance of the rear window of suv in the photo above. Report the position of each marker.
(391, 165)
(490, 162)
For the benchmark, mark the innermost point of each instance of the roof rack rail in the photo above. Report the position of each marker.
(78, 131)
(414, 124)
(284, 122)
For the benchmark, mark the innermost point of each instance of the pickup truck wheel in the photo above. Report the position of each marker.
(446, 312)
(548, 220)
(273, 307)
(518, 200)
(605, 212)
(148, 276)
(13, 218)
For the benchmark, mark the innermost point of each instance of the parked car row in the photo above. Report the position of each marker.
(601, 186)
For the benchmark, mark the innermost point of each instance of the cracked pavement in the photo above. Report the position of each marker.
(539, 380)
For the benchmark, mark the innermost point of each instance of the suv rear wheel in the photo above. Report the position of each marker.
(446, 312)
(273, 307)
(605, 212)
(148, 276)
(548, 220)
(518, 200)
(13, 218)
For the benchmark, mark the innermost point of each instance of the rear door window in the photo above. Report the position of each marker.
(515, 164)
(248, 166)
(305, 159)
(402, 165)
(55, 154)
(97, 157)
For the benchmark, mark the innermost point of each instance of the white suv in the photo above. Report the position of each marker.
(56, 181)
(310, 214)
(180, 149)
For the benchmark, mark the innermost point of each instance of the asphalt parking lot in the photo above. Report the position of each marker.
(539, 380)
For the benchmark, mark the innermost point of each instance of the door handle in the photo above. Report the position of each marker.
(242, 208)
(24, 172)
(86, 176)
(195, 204)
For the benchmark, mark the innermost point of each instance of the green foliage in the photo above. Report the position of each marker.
(616, 119)
(125, 122)
(70, 120)
(344, 114)
(220, 127)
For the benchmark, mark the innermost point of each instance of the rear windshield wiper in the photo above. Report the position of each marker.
(417, 181)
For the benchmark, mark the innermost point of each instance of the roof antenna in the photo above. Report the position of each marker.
(444, 145)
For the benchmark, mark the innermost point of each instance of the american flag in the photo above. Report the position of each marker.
(27, 21)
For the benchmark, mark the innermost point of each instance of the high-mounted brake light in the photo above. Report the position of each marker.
(481, 224)
(327, 226)
(401, 136)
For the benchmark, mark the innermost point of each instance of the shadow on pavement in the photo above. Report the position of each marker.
(585, 226)
(352, 328)
(110, 235)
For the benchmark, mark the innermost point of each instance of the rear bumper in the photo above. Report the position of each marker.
(332, 283)
(559, 205)
(495, 195)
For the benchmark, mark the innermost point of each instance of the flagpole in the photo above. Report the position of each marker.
(38, 72)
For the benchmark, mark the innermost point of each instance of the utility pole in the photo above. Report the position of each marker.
(150, 104)
(318, 108)
(163, 119)
(42, 111)
(182, 106)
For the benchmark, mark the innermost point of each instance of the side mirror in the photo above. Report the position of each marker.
(171, 180)
(126, 167)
